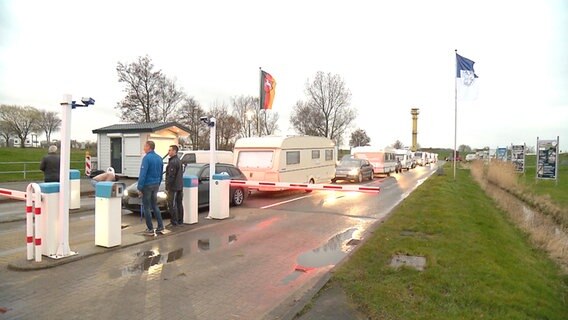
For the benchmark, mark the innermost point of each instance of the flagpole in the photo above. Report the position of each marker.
(455, 113)
(259, 102)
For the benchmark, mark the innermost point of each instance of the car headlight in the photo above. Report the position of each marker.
(162, 195)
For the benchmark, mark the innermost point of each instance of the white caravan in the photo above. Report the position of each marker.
(294, 159)
(405, 157)
(383, 161)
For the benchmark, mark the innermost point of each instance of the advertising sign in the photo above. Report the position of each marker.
(518, 157)
(547, 159)
(501, 154)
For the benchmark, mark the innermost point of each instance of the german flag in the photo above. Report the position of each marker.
(267, 90)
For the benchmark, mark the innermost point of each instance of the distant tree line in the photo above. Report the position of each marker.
(152, 96)
(20, 122)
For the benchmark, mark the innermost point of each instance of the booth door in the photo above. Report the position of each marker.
(116, 154)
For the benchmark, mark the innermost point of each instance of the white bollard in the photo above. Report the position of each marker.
(75, 189)
(219, 204)
(50, 210)
(190, 199)
(108, 213)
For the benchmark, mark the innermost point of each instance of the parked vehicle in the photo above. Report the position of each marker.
(202, 156)
(132, 201)
(471, 157)
(353, 169)
(294, 159)
(383, 161)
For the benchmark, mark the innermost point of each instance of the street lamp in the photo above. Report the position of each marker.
(249, 115)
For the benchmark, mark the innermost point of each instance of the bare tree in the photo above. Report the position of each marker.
(48, 122)
(359, 138)
(150, 95)
(168, 99)
(464, 148)
(190, 111)
(226, 127)
(398, 144)
(327, 111)
(268, 122)
(5, 130)
(245, 109)
(21, 120)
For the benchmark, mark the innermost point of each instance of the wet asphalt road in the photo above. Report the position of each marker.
(255, 265)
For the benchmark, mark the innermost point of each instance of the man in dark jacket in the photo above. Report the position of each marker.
(50, 165)
(148, 184)
(174, 186)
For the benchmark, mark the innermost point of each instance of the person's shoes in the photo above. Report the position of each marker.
(171, 225)
(160, 230)
(149, 231)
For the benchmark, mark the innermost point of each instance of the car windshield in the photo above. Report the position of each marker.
(349, 163)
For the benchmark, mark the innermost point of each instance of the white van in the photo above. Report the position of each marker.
(294, 159)
(202, 156)
(383, 161)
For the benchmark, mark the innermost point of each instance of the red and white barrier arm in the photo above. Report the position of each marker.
(13, 194)
(305, 186)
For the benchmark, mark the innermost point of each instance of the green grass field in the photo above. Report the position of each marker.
(33, 156)
(557, 190)
(478, 264)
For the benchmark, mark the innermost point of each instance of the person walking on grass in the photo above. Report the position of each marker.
(50, 165)
(174, 187)
(149, 181)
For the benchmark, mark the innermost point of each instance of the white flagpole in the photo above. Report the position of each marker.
(259, 103)
(455, 112)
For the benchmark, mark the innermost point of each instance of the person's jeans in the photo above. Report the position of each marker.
(150, 202)
(175, 206)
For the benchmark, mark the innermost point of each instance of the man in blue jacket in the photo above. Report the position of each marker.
(148, 184)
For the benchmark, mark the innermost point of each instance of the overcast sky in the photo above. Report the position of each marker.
(392, 55)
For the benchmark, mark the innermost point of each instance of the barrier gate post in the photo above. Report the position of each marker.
(33, 224)
(190, 199)
(219, 204)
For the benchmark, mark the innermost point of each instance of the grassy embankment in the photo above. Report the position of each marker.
(32, 155)
(479, 265)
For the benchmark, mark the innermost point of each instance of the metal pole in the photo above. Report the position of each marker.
(259, 103)
(63, 247)
(212, 124)
(455, 115)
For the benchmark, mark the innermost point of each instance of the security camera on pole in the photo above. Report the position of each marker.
(63, 249)
(210, 122)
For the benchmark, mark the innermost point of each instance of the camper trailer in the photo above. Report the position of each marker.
(383, 160)
(294, 159)
(405, 158)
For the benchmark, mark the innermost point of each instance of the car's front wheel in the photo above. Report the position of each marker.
(238, 197)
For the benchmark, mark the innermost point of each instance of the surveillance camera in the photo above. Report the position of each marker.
(88, 100)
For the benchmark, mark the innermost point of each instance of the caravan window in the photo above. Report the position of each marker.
(188, 158)
(292, 157)
(315, 154)
(255, 159)
(328, 155)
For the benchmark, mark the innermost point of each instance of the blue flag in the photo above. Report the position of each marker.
(466, 79)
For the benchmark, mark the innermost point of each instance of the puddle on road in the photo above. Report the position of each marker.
(207, 244)
(330, 253)
(150, 259)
